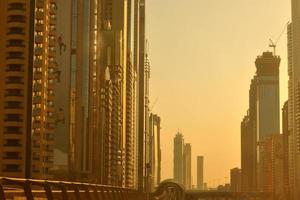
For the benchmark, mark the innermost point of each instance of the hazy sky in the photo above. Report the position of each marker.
(202, 60)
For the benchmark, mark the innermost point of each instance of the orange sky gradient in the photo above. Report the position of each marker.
(202, 60)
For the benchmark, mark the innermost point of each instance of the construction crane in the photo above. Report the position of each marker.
(274, 44)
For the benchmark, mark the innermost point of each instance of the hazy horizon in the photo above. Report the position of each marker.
(202, 57)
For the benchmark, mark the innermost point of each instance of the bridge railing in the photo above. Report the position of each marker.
(170, 190)
(31, 189)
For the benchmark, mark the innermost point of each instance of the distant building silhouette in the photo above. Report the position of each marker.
(235, 180)
(155, 150)
(200, 173)
(261, 122)
(187, 166)
(249, 143)
(178, 158)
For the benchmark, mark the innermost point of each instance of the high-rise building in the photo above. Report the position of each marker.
(155, 151)
(178, 158)
(118, 77)
(43, 97)
(261, 121)
(268, 109)
(84, 90)
(16, 58)
(293, 101)
(141, 62)
(248, 155)
(200, 172)
(285, 133)
(62, 90)
(235, 180)
(187, 166)
(249, 142)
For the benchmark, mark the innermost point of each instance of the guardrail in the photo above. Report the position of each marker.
(31, 189)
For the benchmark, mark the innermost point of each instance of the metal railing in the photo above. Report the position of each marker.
(30, 189)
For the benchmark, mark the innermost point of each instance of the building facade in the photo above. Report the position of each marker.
(285, 133)
(294, 109)
(43, 96)
(272, 176)
(16, 58)
(62, 90)
(200, 173)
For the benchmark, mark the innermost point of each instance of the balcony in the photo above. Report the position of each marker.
(39, 39)
(52, 65)
(36, 124)
(52, 20)
(37, 100)
(39, 3)
(37, 87)
(36, 112)
(51, 53)
(38, 51)
(39, 27)
(52, 42)
(39, 15)
(37, 75)
(38, 63)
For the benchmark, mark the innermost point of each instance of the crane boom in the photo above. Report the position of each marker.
(273, 44)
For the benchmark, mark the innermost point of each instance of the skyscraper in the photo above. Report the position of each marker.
(16, 57)
(268, 109)
(141, 62)
(62, 89)
(294, 109)
(285, 133)
(118, 77)
(44, 79)
(261, 121)
(235, 179)
(200, 170)
(178, 158)
(249, 142)
(187, 166)
(155, 150)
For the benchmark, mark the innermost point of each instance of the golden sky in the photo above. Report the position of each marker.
(202, 60)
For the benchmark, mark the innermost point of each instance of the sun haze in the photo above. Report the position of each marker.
(202, 60)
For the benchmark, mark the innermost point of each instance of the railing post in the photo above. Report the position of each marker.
(87, 192)
(27, 190)
(115, 194)
(105, 195)
(2, 194)
(96, 194)
(77, 192)
(48, 191)
(63, 191)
